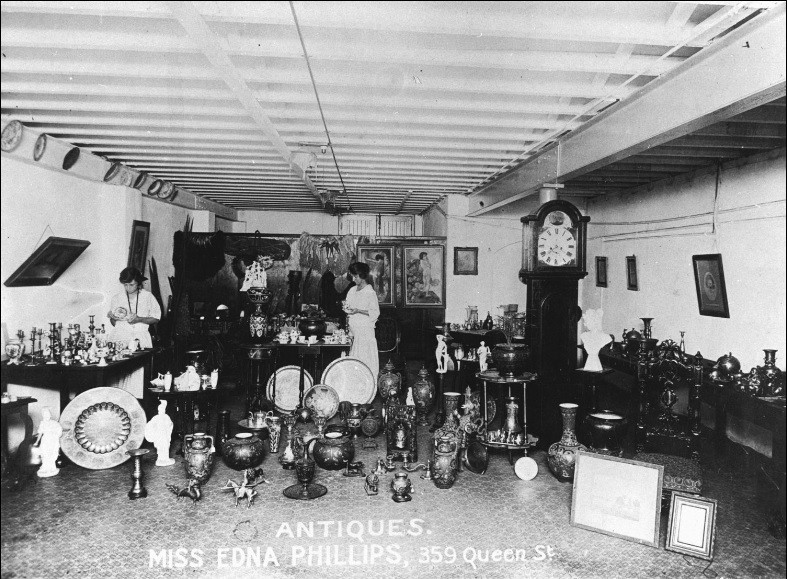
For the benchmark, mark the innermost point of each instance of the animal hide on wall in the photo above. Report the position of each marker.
(204, 254)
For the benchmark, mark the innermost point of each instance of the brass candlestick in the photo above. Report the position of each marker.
(137, 490)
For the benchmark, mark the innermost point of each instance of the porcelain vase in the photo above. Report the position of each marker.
(562, 454)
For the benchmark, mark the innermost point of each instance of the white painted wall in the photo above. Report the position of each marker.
(750, 236)
(37, 202)
(499, 242)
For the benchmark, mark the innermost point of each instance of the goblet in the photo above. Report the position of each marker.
(320, 422)
(305, 490)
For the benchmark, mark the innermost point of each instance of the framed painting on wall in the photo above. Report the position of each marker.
(380, 259)
(423, 274)
(632, 282)
(47, 262)
(709, 282)
(601, 271)
(138, 248)
(465, 261)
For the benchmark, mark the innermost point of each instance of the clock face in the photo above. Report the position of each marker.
(557, 243)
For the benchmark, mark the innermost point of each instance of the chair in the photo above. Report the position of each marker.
(664, 437)
(388, 332)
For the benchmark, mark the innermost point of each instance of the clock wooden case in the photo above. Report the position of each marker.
(553, 262)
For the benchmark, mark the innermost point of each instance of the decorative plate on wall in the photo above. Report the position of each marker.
(100, 425)
(288, 387)
(12, 134)
(352, 379)
(40, 147)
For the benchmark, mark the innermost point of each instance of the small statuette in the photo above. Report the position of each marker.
(159, 432)
(441, 354)
(50, 432)
(192, 491)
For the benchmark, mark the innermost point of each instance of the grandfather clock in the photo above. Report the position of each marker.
(553, 262)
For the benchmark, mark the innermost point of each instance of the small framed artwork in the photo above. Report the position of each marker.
(692, 525)
(138, 248)
(380, 259)
(601, 271)
(465, 261)
(423, 276)
(617, 497)
(632, 282)
(709, 282)
(47, 262)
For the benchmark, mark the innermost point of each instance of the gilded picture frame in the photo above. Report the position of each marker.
(423, 276)
(381, 260)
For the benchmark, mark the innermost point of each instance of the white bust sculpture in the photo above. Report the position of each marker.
(50, 431)
(594, 339)
(159, 432)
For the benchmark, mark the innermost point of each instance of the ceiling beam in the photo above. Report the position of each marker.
(197, 29)
(740, 71)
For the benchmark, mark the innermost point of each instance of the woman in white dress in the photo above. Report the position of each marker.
(133, 310)
(362, 311)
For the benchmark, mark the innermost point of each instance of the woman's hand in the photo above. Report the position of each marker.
(132, 318)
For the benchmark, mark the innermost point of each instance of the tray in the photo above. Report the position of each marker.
(287, 391)
(100, 425)
(322, 399)
(352, 379)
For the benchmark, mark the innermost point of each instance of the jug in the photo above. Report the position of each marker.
(158, 382)
(259, 419)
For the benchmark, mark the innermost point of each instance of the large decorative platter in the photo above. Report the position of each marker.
(323, 400)
(100, 425)
(287, 387)
(352, 379)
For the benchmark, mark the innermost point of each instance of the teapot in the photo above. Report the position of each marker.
(260, 418)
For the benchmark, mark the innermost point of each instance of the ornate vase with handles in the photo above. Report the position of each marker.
(772, 378)
(444, 465)
(562, 454)
(423, 395)
(388, 381)
(332, 450)
(510, 359)
(401, 487)
(243, 451)
(198, 452)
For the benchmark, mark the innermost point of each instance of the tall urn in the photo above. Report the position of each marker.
(199, 453)
(562, 455)
(445, 464)
(423, 396)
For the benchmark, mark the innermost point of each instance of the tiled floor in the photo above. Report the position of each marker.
(81, 524)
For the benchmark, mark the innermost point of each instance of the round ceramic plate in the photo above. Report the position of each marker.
(287, 387)
(40, 147)
(526, 468)
(71, 158)
(12, 134)
(476, 457)
(322, 399)
(100, 425)
(352, 379)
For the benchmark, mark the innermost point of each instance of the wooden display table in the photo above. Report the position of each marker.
(494, 377)
(74, 379)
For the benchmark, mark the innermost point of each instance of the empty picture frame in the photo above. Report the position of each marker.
(709, 282)
(617, 497)
(632, 280)
(692, 525)
(465, 261)
(47, 262)
(601, 271)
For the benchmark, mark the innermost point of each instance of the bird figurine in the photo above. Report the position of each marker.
(192, 491)
(256, 475)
